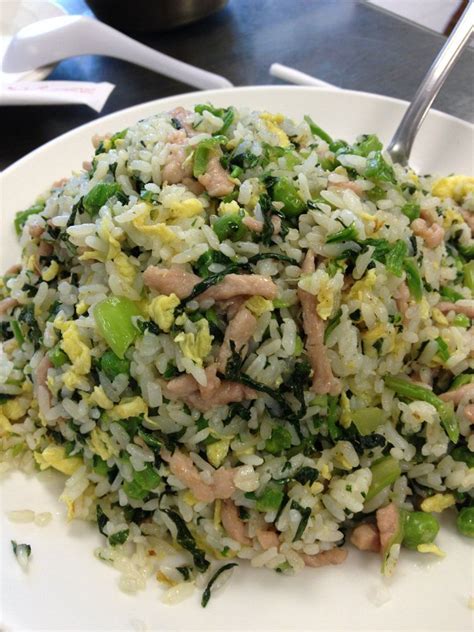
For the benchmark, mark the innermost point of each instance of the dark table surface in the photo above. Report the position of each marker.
(346, 42)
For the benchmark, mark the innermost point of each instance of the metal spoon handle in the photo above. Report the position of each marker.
(402, 141)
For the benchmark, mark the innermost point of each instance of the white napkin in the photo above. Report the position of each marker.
(88, 93)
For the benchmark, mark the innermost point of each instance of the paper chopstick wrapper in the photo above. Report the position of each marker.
(91, 94)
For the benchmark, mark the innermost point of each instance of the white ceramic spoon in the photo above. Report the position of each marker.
(54, 39)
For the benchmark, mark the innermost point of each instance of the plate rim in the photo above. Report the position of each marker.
(258, 88)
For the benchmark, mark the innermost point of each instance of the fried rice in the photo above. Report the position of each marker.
(240, 339)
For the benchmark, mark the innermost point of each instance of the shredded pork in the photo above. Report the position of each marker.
(387, 524)
(182, 466)
(233, 524)
(239, 331)
(323, 378)
(325, 558)
(7, 304)
(216, 180)
(455, 396)
(365, 537)
(461, 307)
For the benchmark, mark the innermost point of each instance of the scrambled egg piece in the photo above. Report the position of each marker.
(101, 444)
(430, 548)
(51, 271)
(81, 308)
(259, 305)
(77, 351)
(5, 425)
(216, 452)
(424, 308)
(225, 208)
(158, 229)
(99, 398)
(125, 269)
(55, 456)
(326, 472)
(438, 503)
(129, 407)
(363, 286)
(439, 317)
(455, 187)
(15, 409)
(105, 233)
(186, 208)
(379, 331)
(161, 310)
(196, 346)
(189, 498)
(273, 121)
(451, 217)
(316, 487)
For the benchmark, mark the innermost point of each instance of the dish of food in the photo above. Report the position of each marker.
(244, 341)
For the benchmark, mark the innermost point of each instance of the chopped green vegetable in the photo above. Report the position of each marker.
(385, 471)
(346, 234)
(230, 226)
(279, 441)
(112, 365)
(420, 528)
(469, 275)
(379, 170)
(317, 131)
(226, 114)
(466, 251)
(461, 380)
(15, 325)
(206, 595)
(461, 320)
(306, 475)
(450, 294)
(102, 519)
(186, 540)
(119, 538)
(93, 201)
(367, 420)
(22, 216)
(271, 498)
(407, 389)
(113, 317)
(99, 465)
(285, 191)
(464, 455)
(443, 349)
(375, 194)
(202, 154)
(305, 513)
(465, 522)
(395, 258)
(414, 282)
(27, 318)
(57, 357)
(22, 552)
(367, 144)
(142, 483)
(332, 324)
(411, 210)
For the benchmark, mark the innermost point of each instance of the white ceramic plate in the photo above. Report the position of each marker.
(66, 588)
(14, 15)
